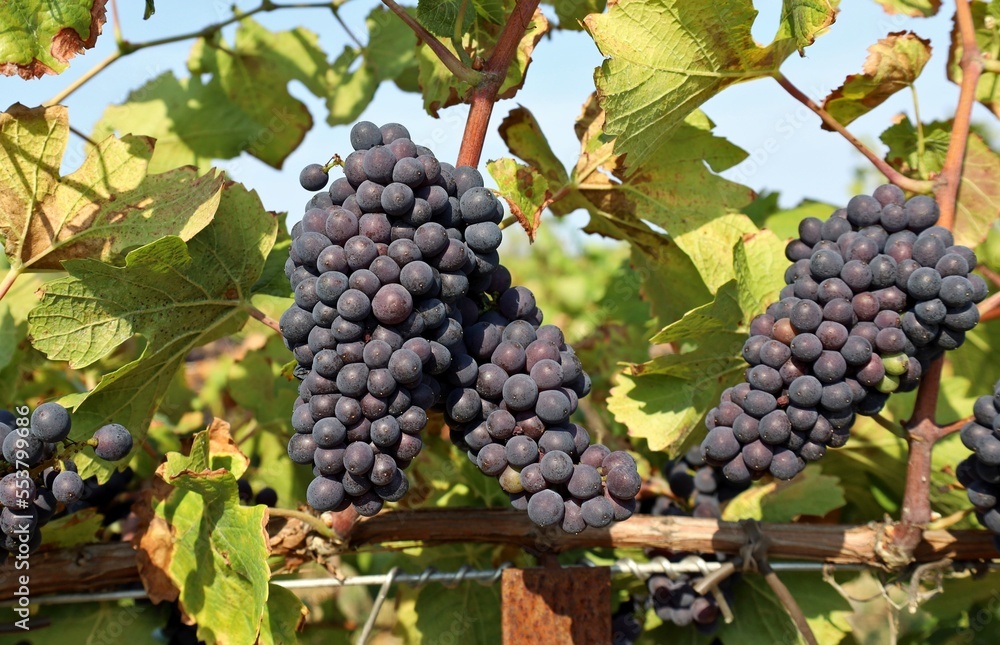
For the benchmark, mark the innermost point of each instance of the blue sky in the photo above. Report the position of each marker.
(789, 152)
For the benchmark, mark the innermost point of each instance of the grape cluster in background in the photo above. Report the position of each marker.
(980, 472)
(876, 293)
(30, 501)
(401, 306)
(697, 489)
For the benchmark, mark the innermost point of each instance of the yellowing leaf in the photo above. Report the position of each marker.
(526, 192)
(39, 37)
(893, 63)
(979, 189)
(664, 58)
(107, 206)
(986, 19)
(915, 8)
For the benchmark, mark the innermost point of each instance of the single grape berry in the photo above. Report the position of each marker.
(314, 177)
(50, 422)
(114, 442)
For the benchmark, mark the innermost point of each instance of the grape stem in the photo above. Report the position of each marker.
(484, 96)
(257, 314)
(8, 281)
(454, 65)
(971, 64)
(990, 308)
(893, 175)
(314, 522)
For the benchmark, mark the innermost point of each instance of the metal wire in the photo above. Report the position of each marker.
(624, 566)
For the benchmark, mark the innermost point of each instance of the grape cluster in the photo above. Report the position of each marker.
(980, 473)
(30, 502)
(697, 490)
(874, 294)
(402, 305)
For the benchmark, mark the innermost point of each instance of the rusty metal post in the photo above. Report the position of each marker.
(556, 606)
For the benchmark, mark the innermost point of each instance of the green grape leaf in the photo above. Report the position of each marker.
(492, 10)
(914, 8)
(284, 615)
(471, 615)
(441, 88)
(173, 111)
(571, 13)
(355, 75)
(87, 623)
(68, 531)
(986, 19)
(979, 190)
(715, 358)
(685, 290)
(765, 621)
(440, 16)
(760, 264)
(106, 207)
(39, 38)
(893, 63)
(663, 410)
(678, 191)
(809, 493)
(663, 400)
(177, 296)
(722, 314)
(243, 85)
(657, 69)
(217, 558)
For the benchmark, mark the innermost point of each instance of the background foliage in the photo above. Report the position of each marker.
(656, 302)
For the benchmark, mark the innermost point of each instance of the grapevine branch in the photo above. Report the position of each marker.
(948, 182)
(101, 566)
(484, 96)
(893, 175)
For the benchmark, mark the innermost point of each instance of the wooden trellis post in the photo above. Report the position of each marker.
(556, 606)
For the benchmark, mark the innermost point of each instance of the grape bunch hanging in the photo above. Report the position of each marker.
(401, 306)
(697, 489)
(30, 500)
(980, 472)
(875, 293)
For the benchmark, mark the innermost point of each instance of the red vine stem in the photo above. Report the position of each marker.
(257, 314)
(946, 190)
(494, 73)
(8, 281)
(922, 429)
(922, 433)
(893, 175)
